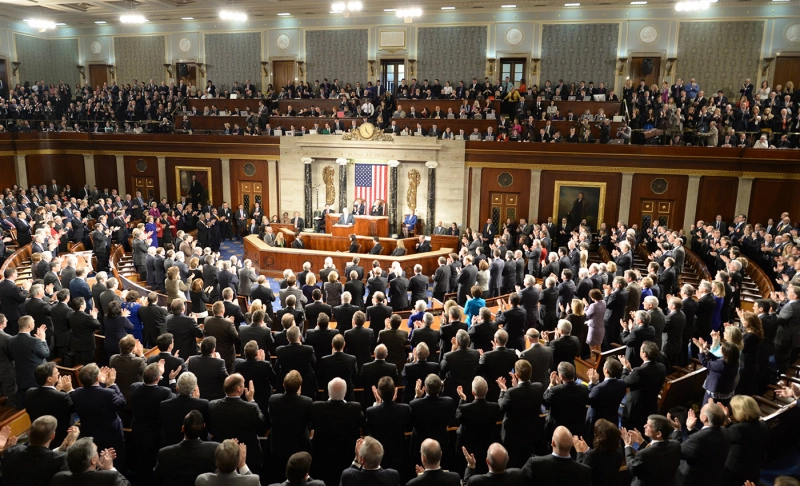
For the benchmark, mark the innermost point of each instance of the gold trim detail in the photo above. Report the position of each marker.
(189, 168)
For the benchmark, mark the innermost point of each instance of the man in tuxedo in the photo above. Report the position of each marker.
(477, 421)
(704, 453)
(235, 418)
(658, 461)
(28, 350)
(558, 468)
(51, 397)
(179, 464)
(336, 425)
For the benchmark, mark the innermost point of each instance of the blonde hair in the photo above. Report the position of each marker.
(584, 258)
(577, 307)
(647, 282)
(718, 289)
(311, 279)
(333, 277)
(734, 336)
(744, 409)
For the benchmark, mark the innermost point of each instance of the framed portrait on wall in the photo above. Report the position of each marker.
(193, 183)
(579, 201)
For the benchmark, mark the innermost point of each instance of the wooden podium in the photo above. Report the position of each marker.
(364, 226)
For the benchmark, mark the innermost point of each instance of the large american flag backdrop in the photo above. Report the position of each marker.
(371, 182)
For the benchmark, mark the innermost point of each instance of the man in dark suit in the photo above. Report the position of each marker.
(540, 358)
(379, 311)
(356, 288)
(377, 283)
(51, 397)
(354, 265)
(522, 431)
(496, 363)
(704, 313)
(657, 462)
(644, 384)
(398, 292)
(180, 464)
(90, 466)
(298, 357)
(235, 418)
(499, 474)
(366, 468)
(558, 468)
(317, 308)
(60, 314)
(460, 365)
(39, 310)
(441, 279)
(184, 330)
(98, 404)
(153, 318)
(430, 415)
(513, 318)
(377, 248)
(418, 286)
(337, 426)
(566, 347)
(172, 412)
(466, 280)
(672, 336)
(321, 336)
(704, 453)
(566, 400)
(787, 339)
(359, 341)
(616, 297)
(482, 330)
(256, 368)
(427, 334)
(82, 326)
(449, 330)
(290, 414)
(387, 421)
(11, 296)
(477, 421)
(166, 345)
(28, 351)
(257, 331)
(35, 464)
(433, 474)
(605, 396)
(689, 310)
(418, 369)
(529, 297)
(344, 313)
(372, 372)
(146, 398)
(211, 371)
(338, 364)
(225, 336)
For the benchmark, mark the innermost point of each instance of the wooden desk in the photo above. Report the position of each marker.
(279, 226)
(222, 103)
(577, 107)
(364, 225)
(331, 106)
(443, 241)
(344, 230)
(213, 123)
(272, 261)
(411, 123)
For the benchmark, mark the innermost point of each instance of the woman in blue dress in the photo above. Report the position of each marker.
(474, 304)
(133, 306)
(409, 222)
(151, 228)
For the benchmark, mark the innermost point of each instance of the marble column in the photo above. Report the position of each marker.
(271, 206)
(743, 195)
(88, 171)
(691, 202)
(625, 199)
(162, 178)
(22, 171)
(225, 165)
(393, 164)
(342, 183)
(307, 196)
(533, 204)
(431, 165)
(121, 188)
(475, 203)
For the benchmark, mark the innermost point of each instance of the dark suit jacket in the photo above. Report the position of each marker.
(91, 478)
(11, 297)
(262, 375)
(604, 400)
(300, 358)
(565, 348)
(49, 401)
(418, 286)
(429, 418)
(703, 457)
(337, 426)
(511, 477)
(314, 309)
(357, 290)
(396, 341)
(377, 315)
(359, 342)
(369, 376)
(557, 471)
(481, 335)
(519, 425)
(211, 373)
(672, 336)
(494, 364)
(234, 418)
(418, 370)
(429, 336)
(477, 421)
(259, 334)
(344, 315)
(290, 416)
(60, 313)
(171, 414)
(362, 477)
(388, 422)
(459, 368)
(655, 465)
(438, 477)
(321, 340)
(541, 359)
(567, 404)
(97, 406)
(446, 333)
(26, 465)
(180, 464)
(184, 332)
(338, 365)
(514, 320)
(227, 338)
(398, 293)
(28, 352)
(644, 383)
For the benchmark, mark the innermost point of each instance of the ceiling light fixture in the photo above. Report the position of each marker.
(132, 19)
(448, 8)
(233, 15)
(692, 5)
(100, 22)
(572, 4)
(41, 24)
(408, 14)
(284, 14)
(390, 10)
(638, 3)
(187, 18)
(508, 6)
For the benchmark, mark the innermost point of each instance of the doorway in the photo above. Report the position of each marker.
(146, 185)
(282, 74)
(645, 63)
(657, 209)
(392, 72)
(786, 69)
(251, 193)
(503, 206)
(514, 69)
(98, 75)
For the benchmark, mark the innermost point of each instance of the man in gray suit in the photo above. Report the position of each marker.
(140, 254)
(292, 289)
(247, 277)
(787, 340)
(679, 254)
(269, 236)
(346, 217)
(231, 467)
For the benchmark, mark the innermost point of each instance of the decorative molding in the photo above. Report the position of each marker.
(392, 39)
(792, 33)
(514, 36)
(648, 35)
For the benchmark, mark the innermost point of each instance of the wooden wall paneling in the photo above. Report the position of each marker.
(131, 170)
(238, 175)
(677, 186)
(8, 176)
(520, 182)
(105, 173)
(216, 176)
(613, 186)
(716, 195)
(771, 197)
(64, 168)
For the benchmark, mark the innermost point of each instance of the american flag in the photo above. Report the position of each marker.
(371, 181)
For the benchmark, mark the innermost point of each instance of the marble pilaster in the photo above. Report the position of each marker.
(120, 161)
(625, 198)
(22, 171)
(309, 212)
(431, 199)
(743, 195)
(162, 178)
(342, 183)
(88, 171)
(691, 201)
(393, 164)
(533, 204)
(225, 165)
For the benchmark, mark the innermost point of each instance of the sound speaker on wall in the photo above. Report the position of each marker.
(183, 70)
(647, 66)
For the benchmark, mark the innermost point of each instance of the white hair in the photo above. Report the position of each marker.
(651, 301)
(337, 389)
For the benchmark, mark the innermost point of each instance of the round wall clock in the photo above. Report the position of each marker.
(792, 33)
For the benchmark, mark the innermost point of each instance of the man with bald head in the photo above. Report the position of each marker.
(499, 473)
(704, 453)
(477, 421)
(366, 467)
(337, 426)
(558, 468)
(433, 474)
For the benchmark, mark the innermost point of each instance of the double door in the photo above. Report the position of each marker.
(503, 206)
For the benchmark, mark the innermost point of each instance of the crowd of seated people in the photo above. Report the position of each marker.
(196, 412)
(761, 118)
